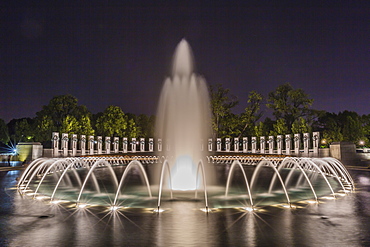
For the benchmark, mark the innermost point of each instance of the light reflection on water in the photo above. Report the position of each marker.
(331, 223)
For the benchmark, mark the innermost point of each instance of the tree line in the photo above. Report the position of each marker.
(291, 111)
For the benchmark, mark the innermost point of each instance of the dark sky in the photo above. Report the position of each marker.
(119, 52)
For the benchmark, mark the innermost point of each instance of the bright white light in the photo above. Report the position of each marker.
(206, 210)
(82, 205)
(158, 210)
(114, 208)
(248, 209)
(41, 197)
(184, 174)
(56, 202)
(328, 197)
(312, 202)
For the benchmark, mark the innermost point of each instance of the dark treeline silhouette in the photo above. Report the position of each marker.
(291, 111)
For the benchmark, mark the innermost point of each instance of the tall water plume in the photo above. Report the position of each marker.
(183, 119)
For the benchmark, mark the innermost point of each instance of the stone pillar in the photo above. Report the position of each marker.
(288, 144)
(115, 145)
(74, 144)
(262, 144)
(107, 143)
(65, 144)
(297, 143)
(219, 144)
(254, 145)
(279, 144)
(151, 145)
(55, 142)
(210, 145)
(142, 145)
(91, 145)
(133, 145)
(159, 145)
(245, 144)
(83, 144)
(227, 144)
(306, 143)
(124, 145)
(100, 144)
(271, 142)
(236, 145)
(315, 142)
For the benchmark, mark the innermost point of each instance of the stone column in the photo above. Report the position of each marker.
(151, 145)
(133, 145)
(142, 145)
(254, 145)
(297, 143)
(83, 144)
(245, 144)
(271, 142)
(262, 144)
(107, 144)
(124, 145)
(315, 142)
(74, 144)
(227, 144)
(91, 145)
(306, 143)
(100, 144)
(115, 145)
(55, 141)
(65, 144)
(210, 145)
(288, 144)
(236, 145)
(159, 145)
(279, 144)
(219, 144)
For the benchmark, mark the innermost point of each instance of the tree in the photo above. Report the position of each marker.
(300, 126)
(289, 104)
(44, 128)
(280, 127)
(59, 108)
(112, 122)
(145, 125)
(63, 114)
(24, 130)
(70, 125)
(351, 126)
(221, 105)
(4, 133)
(251, 113)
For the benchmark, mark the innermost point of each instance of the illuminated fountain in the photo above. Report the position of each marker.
(183, 119)
(184, 168)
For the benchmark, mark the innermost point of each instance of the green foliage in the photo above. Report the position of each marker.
(145, 125)
(344, 126)
(300, 125)
(280, 127)
(24, 130)
(112, 122)
(251, 113)
(289, 104)
(221, 105)
(4, 133)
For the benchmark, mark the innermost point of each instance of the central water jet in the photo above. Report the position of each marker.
(183, 119)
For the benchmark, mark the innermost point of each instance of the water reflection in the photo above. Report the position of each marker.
(344, 221)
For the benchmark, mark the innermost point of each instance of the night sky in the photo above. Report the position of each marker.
(119, 52)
